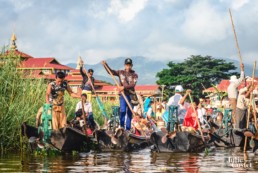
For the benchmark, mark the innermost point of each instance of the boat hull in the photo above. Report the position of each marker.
(65, 139)
(182, 142)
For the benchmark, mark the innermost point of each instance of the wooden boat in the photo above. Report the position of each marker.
(180, 142)
(120, 140)
(65, 139)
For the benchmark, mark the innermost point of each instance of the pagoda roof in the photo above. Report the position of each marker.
(19, 53)
(43, 63)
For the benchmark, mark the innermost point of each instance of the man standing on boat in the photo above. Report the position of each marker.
(55, 96)
(128, 79)
(233, 91)
(86, 82)
(175, 101)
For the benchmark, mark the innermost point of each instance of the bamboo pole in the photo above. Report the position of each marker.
(250, 104)
(252, 99)
(237, 46)
(84, 119)
(236, 40)
(199, 124)
(92, 86)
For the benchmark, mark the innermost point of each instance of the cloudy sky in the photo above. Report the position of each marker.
(157, 29)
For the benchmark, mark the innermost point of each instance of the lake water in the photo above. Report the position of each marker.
(219, 160)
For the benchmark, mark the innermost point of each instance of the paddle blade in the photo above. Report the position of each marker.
(101, 107)
(172, 135)
(164, 139)
(248, 134)
(114, 140)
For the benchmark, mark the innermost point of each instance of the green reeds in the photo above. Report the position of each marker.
(20, 99)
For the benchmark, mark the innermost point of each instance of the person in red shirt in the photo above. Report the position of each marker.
(191, 116)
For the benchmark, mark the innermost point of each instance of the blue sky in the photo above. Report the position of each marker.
(157, 29)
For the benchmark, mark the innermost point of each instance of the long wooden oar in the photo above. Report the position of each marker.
(250, 104)
(238, 52)
(252, 97)
(97, 98)
(237, 46)
(197, 119)
(84, 119)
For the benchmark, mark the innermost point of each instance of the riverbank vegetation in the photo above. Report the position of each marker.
(20, 99)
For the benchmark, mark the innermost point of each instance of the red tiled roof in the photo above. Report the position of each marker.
(76, 71)
(223, 85)
(146, 87)
(137, 88)
(19, 53)
(45, 63)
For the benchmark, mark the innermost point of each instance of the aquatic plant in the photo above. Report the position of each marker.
(20, 99)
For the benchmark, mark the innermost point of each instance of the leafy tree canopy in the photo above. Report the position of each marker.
(195, 73)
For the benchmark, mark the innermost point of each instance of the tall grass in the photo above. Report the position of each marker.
(20, 99)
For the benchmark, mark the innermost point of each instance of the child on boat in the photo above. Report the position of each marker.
(87, 107)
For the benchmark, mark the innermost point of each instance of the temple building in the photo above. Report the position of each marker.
(47, 67)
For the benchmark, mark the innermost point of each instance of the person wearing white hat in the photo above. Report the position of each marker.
(233, 92)
(175, 101)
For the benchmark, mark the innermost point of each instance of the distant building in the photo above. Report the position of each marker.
(223, 85)
(47, 67)
(110, 93)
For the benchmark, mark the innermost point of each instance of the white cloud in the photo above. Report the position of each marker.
(92, 56)
(164, 30)
(237, 4)
(169, 51)
(21, 4)
(204, 23)
(126, 10)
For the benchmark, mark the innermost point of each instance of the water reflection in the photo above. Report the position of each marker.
(221, 160)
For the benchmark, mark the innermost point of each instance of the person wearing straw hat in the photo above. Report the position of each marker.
(86, 82)
(128, 79)
(232, 90)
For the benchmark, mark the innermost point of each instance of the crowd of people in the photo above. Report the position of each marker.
(144, 115)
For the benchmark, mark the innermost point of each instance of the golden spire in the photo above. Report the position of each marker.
(13, 42)
(79, 63)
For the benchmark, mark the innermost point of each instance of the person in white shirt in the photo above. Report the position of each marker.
(175, 101)
(242, 105)
(232, 90)
(87, 109)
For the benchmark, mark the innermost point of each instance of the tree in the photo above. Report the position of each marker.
(196, 73)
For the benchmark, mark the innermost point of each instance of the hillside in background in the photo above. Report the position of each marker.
(146, 68)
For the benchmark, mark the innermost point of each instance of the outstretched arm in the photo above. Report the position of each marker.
(242, 75)
(71, 93)
(83, 73)
(185, 96)
(114, 72)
